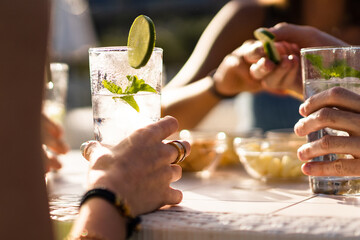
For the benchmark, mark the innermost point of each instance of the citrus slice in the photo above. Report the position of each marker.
(267, 39)
(141, 41)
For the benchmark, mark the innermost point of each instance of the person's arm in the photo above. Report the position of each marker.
(189, 104)
(231, 26)
(23, 202)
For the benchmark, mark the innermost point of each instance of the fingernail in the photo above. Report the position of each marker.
(84, 146)
(302, 109)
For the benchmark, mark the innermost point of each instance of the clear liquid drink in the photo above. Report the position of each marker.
(314, 82)
(115, 116)
(56, 92)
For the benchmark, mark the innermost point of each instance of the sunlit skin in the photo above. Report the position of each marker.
(143, 162)
(318, 111)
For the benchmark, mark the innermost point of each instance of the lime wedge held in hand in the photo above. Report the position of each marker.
(141, 41)
(267, 39)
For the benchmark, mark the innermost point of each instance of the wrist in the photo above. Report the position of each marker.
(118, 204)
(215, 91)
(97, 220)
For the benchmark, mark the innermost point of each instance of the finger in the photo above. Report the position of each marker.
(303, 36)
(156, 132)
(251, 51)
(54, 162)
(291, 80)
(173, 196)
(177, 172)
(92, 150)
(50, 127)
(334, 97)
(261, 68)
(329, 144)
(340, 167)
(284, 48)
(329, 117)
(56, 145)
(275, 79)
(181, 150)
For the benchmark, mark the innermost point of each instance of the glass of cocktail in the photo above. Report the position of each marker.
(324, 68)
(123, 98)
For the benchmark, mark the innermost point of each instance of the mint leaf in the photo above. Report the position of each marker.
(131, 101)
(135, 85)
(338, 68)
(112, 87)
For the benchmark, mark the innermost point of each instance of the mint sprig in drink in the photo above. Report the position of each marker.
(126, 84)
(324, 68)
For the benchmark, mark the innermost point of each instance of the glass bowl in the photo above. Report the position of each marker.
(229, 157)
(206, 150)
(272, 157)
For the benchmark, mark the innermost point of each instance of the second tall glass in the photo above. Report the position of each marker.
(324, 68)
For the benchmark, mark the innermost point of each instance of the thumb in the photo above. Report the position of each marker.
(92, 150)
(304, 36)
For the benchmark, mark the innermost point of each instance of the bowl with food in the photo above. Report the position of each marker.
(271, 157)
(207, 148)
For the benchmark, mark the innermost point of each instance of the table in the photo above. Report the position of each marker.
(227, 205)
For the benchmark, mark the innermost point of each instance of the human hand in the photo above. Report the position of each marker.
(53, 143)
(52, 135)
(139, 168)
(51, 160)
(286, 76)
(339, 109)
(304, 36)
(248, 69)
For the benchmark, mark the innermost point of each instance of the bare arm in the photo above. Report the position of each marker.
(233, 25)
(189, 104)
(23, 204)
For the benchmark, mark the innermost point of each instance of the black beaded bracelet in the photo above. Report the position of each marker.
(133, 223)
(214, 91)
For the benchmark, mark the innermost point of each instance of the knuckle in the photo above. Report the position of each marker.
(281, 25)
(324, 115)
(325, 142)
(338, 168)
(304, 152)
(335, 92)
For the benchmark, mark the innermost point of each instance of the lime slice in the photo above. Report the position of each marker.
(267, 39)
(141, 41)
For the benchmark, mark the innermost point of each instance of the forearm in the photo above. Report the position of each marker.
(100, 219)
(189, 104)
(231, 26)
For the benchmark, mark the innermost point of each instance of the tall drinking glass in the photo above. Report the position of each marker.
(117, 110)
(324, 68)
(56, 92)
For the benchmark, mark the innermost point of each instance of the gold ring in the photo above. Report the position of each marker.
(181, 151)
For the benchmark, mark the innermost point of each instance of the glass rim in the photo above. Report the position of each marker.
(116, 49)
(327, 48)
(59, 66)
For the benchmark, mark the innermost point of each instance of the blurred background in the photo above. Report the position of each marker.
(80, 24)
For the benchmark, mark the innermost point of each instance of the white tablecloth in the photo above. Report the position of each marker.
(228, 205)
